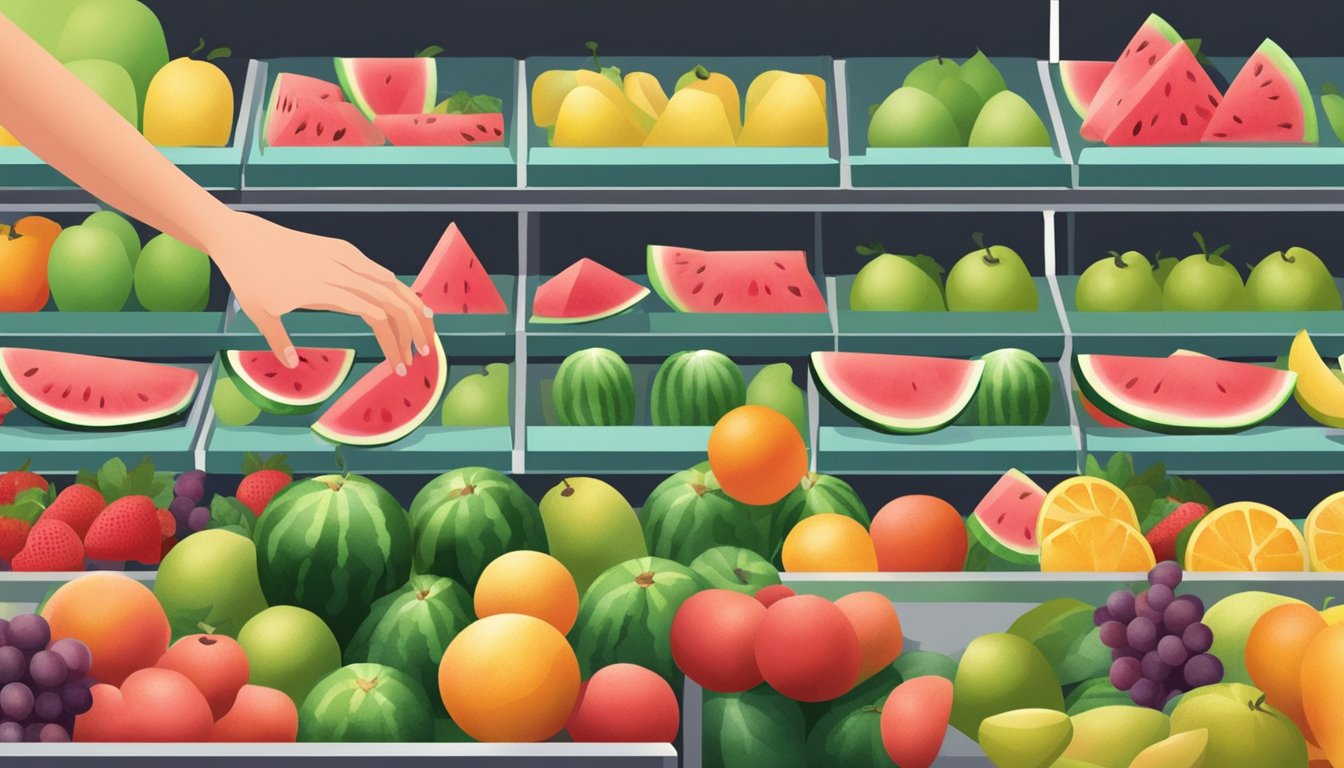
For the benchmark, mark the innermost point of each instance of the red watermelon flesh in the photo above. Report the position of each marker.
(1010, 512)
(90, 392)
(314, 123)
(405, 86)
(288, 92)
(275, 388)
(585, 291)
(771, 282)
(1268, 102)
(1171, 104)
(441, 130)
(897, 393)
(1081, 80)
(1148, 46)
(453, 282)
(382, 407)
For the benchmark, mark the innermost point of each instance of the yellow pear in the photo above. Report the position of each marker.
(615, 95)
(549, 92)
(189, 104)
(7, 139)
(761, 86)
(719, 85)
(693, 118)
(789, 115)
(646, 92)
(588, 118)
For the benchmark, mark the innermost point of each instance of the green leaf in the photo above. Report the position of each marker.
(219, 53)
(253, 462)
(87, 477)
(484, 104)
(1157, 511)
(115, 482)
(1195, 492)
(162, 489)
(1120, 468)
(185, 621)
(931, 267)
(228, 512)
(200, 46)
(1154, 477)
(112, 479)
(429, 52)
(465, 103)
(870, 249)
(1092, 467)
(1141, 496)
(29, 505)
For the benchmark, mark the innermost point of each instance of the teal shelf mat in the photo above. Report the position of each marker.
(686, 166)
(870, 80)
(948, 334)
(484, 166)
(1249, 165)
(428, 450)
(133, 333)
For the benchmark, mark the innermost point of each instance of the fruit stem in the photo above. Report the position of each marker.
(645, 579)
(1286, 258)
(1199, 239)
(1326, 603)
(1119, 262)
(569, 489)
(206, 628)
(979, 239)
(591, 45)
(700, 72)
(1258, 705)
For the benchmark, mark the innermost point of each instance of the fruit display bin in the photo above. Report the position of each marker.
(869, 80)
(211, 167)
(387, 166)
(686, 166)
(128, 333)
(1229, 165)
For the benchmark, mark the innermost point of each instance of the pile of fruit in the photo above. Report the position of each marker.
(989, 279)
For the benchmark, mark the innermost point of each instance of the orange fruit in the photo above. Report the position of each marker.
(1245, 536)
(530, 583)
(509, 677)
(1097, 544)
(1323, 691)
(878, 627)
(757, 455)
(1274, 652)
(117, 617)
(1079, 498)
(23, 262)
(919, 533)
(1325, 534)
(829, 542)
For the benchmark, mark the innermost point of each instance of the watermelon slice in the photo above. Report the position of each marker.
(1148, 46)
(1004, 522)
(315, 123)
(1183, 393)
(390, 86)
(734, 281)
(441, 130)
(1081, 80)
(269, 385)
(453, 282)
(1268, 102)
(290, 89)
(89, 392)
(903, 394)
(584, 292)
(1172, 104)
(382, 407)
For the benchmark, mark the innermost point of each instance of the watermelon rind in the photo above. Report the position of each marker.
(1016, 389)
(1068, 70)
(1288, 68)
(894, 422)
(654, 262)
(619, 308)
(345, 73)
(997, 555)
(594, 388)
(272, 400)
(333, 435)
(13, 385)
(1114, 86)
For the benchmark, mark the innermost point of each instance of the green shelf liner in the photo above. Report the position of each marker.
(117, 334)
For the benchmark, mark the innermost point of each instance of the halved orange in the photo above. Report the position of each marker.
(1246, 536)
(1097, 544)
(1080, 498)
(1325, 534)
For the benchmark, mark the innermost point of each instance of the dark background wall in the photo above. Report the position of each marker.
(1099, 29)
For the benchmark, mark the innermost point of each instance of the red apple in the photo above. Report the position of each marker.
(259, 714)
(152, 705)
(773, 594)
(714, 640)
(807, 649)
(914, 720)
(216, 664)
(625, 703)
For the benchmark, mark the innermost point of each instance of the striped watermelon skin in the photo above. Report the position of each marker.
(688, 513)
(366, 703)
(333, 544)
(696, 389)
(626, 616)
(410, 629)
(594, 388)
(740, 570)
(816, 494)
(463, 519)
(1015, 389)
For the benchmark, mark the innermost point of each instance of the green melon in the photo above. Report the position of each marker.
(466, 518)
(1015, 389)
(740, 570)
(594, 388)
(625, 616)
(688, 513)
(365, 703)
(409, 629)
(333, 544)
(753, 729)
(816, 494)
(850, 736)
(696, 389)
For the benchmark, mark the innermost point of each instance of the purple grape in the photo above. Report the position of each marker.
(1113, 634)
(4, 631)
(1171, 649)
(29, 632)
(48, 706)
(200, 517)
(32, 731)
(1101, 616)
(1145, 611)
(76, 698)
(1147, 693)
(16, 701)
(1154, 668)
(1183, 611)
(1125, 653)
(1204, 669)
(52, 733)
(1167, 573)
(1197, 637)
(13, 664)
(1141, 634)
(76, 655)
(11, 732)
(47, 670)
(1159, 597)
(190, 484)
(1121, 605)
(181, 506)
(1125, 673)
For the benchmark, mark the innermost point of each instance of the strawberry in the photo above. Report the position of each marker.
(167, 546)
(52, 546)
(13, 535)
(167, 523)
(127, 530)
(18, 481)
(257, 489)
(1164, 535)
(76, 506)
(6, 407)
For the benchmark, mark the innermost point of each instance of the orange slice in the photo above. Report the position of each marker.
(1325, 534)
(1097, 544)
(1246, 536)
(1079, 498)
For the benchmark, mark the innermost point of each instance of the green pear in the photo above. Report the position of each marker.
(479, 400)
(991, 279)
(928, 74)
(1295, 280)
(1007, 120)
(773, 387)
(910, 117)
(998, 673)
(962, 102)
(1243, 729)
(1113, 736)
(1121, 283)
(1204, 282)
(1332, 103)
(590, 527)
(981, 74)
(891, 283)
(1025, 738)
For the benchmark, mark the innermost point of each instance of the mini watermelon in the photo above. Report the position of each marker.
(696, 389)
(1016, 389)
(1148, 46)
(288, 91)
(740, 570)
(314, 123)
(753, 729)
(816, 494)
(453, 281)
(390, 86)
(904, 394)
(1172, 104)
(688, 514)
(1268, 102)
(733, 281)
(89, 392)
(585, 291)
(1183, 393)
(850, 736)
(274, 388)
(366, 703)
(382, 407)
(1002, 530)
(441, 130)
(1082, 80)
(594, 388)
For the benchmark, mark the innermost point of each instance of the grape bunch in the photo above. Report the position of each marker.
(188, 503)
(42, 688)
(1159, 642)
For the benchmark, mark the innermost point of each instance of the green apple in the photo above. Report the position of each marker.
(208, 583)
(1007, 120)
(118, 225)
(990, 279)
(479, 400)
(981, 74)
(911, 117)
(928, 74)
(963, 104)
(773, 387)
(1295, 280)
(1243, 729)
(122, 31)
(1121, 283)
(88, 270)
(892, 283)
(1204, 282)
(231, 406)
(171, 276)
(289, 649)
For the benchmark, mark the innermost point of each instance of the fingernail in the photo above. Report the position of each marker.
(429, 312)
(423, 349)
(291, 357)
(401, 369)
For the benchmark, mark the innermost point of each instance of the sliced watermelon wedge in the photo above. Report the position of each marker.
(1172, 104)
(1147, 47)
(89, 392)
(584, 292)
(289, 89)
(441, 130)
(382, 407)
(1183, 393)
(1268, 102)
(453, 282)
(316, 123)
(1081, 80)
(405, 86)
(269, 385)
(904, 394)
(1005, 520)
(770, 282)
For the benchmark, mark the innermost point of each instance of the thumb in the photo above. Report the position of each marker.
(273, 330)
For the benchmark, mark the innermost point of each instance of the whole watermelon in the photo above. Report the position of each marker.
(594, 388)
(740, 570)
(816, 495)
(689, 513)
(753, 729)
(333, 544)
(409, 629)
(850, 736)
(363, 703)
(1015, 390)
(626, 616)
(696, 389)
(463, 519)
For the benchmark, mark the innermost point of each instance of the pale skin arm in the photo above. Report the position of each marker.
(272, 270)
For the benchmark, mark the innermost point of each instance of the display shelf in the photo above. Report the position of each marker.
(870, 80)
(494, 165)
(117, 334)
(551, 755)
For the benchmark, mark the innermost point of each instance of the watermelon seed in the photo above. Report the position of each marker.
(1153, 122)
(320, 129)
(1236, 119)
(386, 414)
(1184, 119)
(1213, 100)
(1286, 126)
(1157, 387)
(303, 126)
(387, 79)
(753, 289)
(480, 128)
(782, 268)
(1189, 75)
(681, 261)
(66, 393)
(914, 386)
(1142, 45)
(406, 401)
(717, 299)
(298, 387)
(1167, 90)
(1138, 127)
(1005, 514)
(741, 576)
(1020, 497)
(700, 269)
(466, 287)
(368, 414)
(1266, 83)
(29, 373)
(47, 388)
(1202, 112)
(430, 120)
(338, 135)
(88, 391)
(1221, 388)
(1259, 68)
(326, 359)
(1275, 97)
(427, 384)
(498, 132)
(1219, 135)
(468, 136)
(767, 290)
(102, 402)
(270, 374)
(1152, 60)
(1027, 531)
(697, 288)
(465, 310)
(795, 291)
(1130, 384)
(143, 397)
(303, 359)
